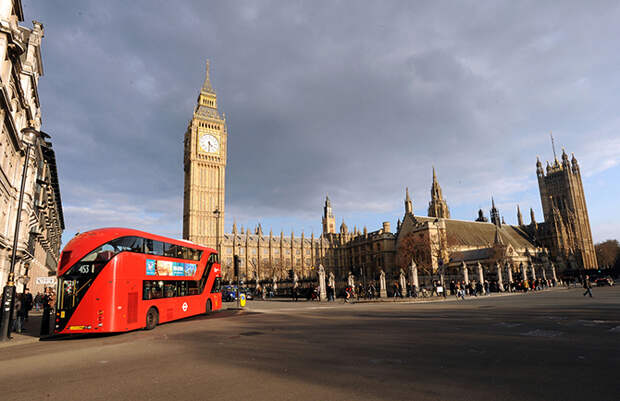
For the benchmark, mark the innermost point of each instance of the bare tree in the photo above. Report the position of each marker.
(608, 253)
(424, 250)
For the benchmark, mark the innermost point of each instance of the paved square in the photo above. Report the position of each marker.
(553, 345)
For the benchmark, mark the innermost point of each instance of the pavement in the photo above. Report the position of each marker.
(550, 345)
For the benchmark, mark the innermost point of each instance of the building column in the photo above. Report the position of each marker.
(523, 271)
(509, 274)
(403, 283)
(413, 273)
(465, 273)
(500, 280)
(533, 270)
(480, 273)
(382, 286)
(553, 272)
(322, 291)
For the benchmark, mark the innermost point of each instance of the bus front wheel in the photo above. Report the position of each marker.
(152, 318)
(208, 308)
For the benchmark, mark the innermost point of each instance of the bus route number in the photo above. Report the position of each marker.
(84, 269)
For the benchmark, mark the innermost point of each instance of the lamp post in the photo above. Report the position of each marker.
(29, 135)
(217, 214)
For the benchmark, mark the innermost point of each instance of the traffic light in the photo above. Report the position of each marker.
(237, 263)
(290, 274)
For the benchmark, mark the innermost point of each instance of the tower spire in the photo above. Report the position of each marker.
(555, 157)
(438, 206)
(206, 86)
(408, 203)
(519, 216)
(495, 218)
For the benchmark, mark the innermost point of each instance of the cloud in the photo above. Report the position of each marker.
(350, 99)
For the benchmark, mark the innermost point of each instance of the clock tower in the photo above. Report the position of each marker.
(204, 164)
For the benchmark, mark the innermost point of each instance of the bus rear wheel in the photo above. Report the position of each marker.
(208, 308)
(152, 318)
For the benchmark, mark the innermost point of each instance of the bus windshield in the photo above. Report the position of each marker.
(73, 284)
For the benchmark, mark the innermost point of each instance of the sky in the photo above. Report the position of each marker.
(355, 99)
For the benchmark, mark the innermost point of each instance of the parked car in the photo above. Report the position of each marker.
(604, 282)
(229, 293)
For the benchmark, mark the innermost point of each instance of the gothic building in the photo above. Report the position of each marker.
(41, 218)
(205, 152)
(436, 241)
(566, 228)
(204, 164)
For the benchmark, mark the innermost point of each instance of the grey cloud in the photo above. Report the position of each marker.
(355, 99)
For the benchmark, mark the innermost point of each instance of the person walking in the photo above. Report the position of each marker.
(18, 313)
(588, 286)
(28, 303)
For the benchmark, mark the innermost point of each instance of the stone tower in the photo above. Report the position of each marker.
(329, 222)
(567, 226)
(437, 207)
(205, 167)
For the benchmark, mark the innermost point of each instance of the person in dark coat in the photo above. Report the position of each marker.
(19, 308)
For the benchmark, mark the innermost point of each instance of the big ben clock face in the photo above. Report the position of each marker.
(209, 143)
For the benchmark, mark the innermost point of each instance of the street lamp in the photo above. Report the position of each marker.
(217, 214)
(29, 136)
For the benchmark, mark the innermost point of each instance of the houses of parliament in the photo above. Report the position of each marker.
(434, 241)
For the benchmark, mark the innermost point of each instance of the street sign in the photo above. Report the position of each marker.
(242, 300)
(51, 280)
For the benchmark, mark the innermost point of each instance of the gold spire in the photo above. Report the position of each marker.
(206, 87)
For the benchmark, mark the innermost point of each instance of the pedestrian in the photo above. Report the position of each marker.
(347, 295)
(18, 313)
(28, 302)
(295, 293)
(37, 301)
(487, 289)
(588, 286)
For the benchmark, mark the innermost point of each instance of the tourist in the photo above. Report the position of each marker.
(588, 286)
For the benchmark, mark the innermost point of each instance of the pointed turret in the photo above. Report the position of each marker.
(519, 216)
(343, 227)
(234, 227)
(532, 217)
(481, 217)
(495, 218)
(539, 168)
(498, 237)
(437, 207)
(408, 202)
(329, 222)
(565, 162)
(575, 165)
(206, 86)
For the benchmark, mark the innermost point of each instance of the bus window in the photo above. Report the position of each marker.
(170, 289)
(182, 288)
(130, 244)
(153, 290)
(217, 285)
(173, 251)
(152, 247)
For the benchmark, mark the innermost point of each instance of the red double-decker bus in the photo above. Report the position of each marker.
(118, 279)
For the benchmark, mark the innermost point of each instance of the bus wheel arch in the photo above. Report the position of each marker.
(208, 306)
(152, 318)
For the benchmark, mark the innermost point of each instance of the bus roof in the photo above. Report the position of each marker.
(83, 243)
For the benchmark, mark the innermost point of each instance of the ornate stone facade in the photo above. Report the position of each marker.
(42, 220)
(204, 162)
(438, 242)
(566, 229)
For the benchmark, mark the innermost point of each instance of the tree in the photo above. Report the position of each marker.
(423, 250)
(608, 253)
